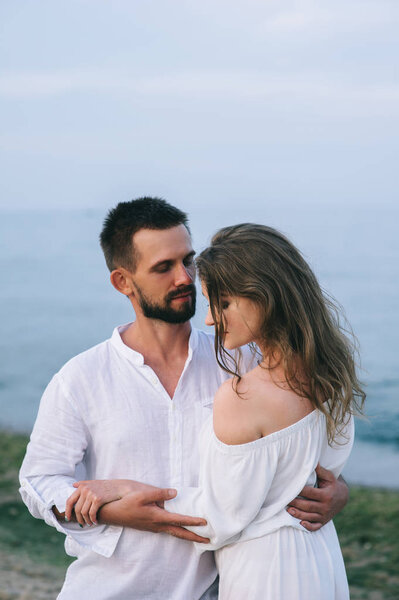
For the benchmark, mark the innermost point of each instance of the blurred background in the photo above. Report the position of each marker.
(280, 112)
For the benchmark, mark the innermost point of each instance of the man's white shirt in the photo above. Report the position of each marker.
(106, 415)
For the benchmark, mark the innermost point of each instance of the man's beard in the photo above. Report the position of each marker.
(165, 312)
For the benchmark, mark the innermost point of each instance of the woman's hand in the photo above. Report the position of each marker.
(91, 495)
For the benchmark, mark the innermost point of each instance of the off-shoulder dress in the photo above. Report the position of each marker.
(262, 552)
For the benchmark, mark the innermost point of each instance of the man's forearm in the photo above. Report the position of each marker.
(142, 509)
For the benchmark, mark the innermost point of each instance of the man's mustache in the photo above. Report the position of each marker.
(182, 291)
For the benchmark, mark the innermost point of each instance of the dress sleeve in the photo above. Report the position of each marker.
(233, 484)
(57, 446)
(333, 457)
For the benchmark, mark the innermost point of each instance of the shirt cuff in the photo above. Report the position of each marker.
(101, 539)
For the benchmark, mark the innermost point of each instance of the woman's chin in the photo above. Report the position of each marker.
(230, 345)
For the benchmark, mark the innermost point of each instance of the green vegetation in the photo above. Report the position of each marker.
(19, 531)
(368, 529)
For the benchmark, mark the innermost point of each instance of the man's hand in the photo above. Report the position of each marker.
(142, 508)
(319, 505)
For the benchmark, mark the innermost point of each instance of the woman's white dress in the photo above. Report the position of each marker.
(262, 552)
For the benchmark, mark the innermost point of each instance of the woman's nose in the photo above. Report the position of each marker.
(184, 275)
(209, 319)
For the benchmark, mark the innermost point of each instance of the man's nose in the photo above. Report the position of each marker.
(183, 275)
(209, 319)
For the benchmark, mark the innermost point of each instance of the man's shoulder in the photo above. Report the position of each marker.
(207, 342)
(204, 345)
(89, 360)
(204, 337)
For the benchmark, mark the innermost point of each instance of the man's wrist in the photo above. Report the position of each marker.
(60, 516)
(110, 514)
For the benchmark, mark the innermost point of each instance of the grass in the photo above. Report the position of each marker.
(19, 531)
(368, 530)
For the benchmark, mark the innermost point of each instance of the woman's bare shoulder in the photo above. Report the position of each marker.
(233, 413)
(258, 406)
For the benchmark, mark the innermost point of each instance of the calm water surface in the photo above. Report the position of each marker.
(56, 301)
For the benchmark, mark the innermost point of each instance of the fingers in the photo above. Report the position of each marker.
(86, 514)
(180, 520)
(78, 511)
(304, 505)
(311, 493)
(183, 534)
(325, 474)
(78, 483)
(305, 516)
(311, 526)
(80, 505)
(84, 511)
(93, 512)
(84, 507)
(156, 495)
(70, 503)
(324, 479)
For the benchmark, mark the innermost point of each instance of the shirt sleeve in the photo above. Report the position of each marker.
(56, 448)
(233, 484)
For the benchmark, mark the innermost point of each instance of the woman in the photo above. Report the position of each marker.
(272, 425)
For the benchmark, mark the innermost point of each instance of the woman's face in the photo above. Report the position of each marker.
(241, 320)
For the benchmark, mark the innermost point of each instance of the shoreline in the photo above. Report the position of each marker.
(373, 465)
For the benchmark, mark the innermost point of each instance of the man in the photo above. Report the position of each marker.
(132, 408)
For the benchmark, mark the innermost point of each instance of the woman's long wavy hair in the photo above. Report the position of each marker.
(301, 328)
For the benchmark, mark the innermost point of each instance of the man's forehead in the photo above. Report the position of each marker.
(154, 245)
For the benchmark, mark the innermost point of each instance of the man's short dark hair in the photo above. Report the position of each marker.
(123, 221)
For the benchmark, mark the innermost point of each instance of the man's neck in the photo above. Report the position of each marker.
(164, 347)
(157, 340)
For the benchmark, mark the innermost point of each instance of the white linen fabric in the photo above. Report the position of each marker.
(106, 415)
(243, 492)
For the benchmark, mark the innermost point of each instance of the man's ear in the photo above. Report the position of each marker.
(121, 280)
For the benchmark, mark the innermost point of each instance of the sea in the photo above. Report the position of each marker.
(56, 301)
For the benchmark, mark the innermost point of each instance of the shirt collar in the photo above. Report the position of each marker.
(137, 358)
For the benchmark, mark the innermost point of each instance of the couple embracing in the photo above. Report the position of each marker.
(155, 491)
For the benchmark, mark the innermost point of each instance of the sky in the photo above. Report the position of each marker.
(207, 102)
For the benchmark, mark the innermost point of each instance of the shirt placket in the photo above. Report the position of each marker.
(175, 445)
(176, 415)
(174, 428)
